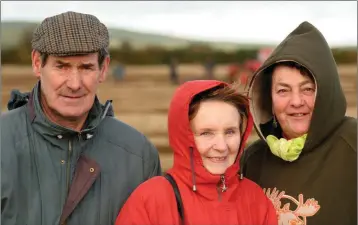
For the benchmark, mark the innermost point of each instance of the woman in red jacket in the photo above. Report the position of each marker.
(208, 125)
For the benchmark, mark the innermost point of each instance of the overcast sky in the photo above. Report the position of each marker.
(233, 21)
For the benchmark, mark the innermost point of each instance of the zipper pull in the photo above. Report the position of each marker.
(79, 134)
(224, 187)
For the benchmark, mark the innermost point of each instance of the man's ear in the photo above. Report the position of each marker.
(104, 70)
(36, 63)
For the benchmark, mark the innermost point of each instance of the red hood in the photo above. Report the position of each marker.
(181, 139)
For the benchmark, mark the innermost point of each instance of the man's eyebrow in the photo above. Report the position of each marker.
(58, 61)
(87, 64)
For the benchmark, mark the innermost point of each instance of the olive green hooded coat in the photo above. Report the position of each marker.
(320, 187)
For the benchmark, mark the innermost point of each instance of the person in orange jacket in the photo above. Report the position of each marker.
(208, 124)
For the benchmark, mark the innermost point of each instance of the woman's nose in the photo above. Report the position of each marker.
(220, 143)
(296, 100)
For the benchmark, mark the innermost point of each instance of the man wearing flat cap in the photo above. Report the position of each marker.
(65, 159)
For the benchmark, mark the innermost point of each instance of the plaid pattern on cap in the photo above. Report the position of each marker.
(69, 34)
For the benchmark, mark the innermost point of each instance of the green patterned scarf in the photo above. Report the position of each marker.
(288, 150)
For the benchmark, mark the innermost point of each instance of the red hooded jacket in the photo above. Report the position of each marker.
(153, 202)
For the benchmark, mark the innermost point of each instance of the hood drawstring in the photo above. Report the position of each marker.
(241, 170)
(241, 164)
(192, 167)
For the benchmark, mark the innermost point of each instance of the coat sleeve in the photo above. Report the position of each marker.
(8, 185)
(133, 211)
(271, 216)
(152, 165)
(151, 203)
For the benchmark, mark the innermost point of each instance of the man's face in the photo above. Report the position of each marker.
(69, 84)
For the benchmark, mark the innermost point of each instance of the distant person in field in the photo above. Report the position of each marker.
(118, 71)
(208, 124)
(173, 70)
(306, 158)
(65, 158)
(209, 66)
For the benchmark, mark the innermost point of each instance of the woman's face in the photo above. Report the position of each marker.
(293, 99)
(216, 129)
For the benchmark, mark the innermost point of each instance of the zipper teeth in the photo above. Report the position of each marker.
(221, 187)
(69, 164)
(219, 193)
(260, 71)
(224, 187)
(68, 170)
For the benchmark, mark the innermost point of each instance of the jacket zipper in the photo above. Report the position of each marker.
(69, 165)
(68, 171)
(221, 186)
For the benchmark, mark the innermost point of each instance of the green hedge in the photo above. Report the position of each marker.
(195, 53)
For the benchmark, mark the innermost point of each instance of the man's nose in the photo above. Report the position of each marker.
(74, 80)
(220, 143)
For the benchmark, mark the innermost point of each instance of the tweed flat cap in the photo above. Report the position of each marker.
(70, 33)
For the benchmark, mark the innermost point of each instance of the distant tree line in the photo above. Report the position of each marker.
(195, 53)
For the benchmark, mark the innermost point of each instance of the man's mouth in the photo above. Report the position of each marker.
(72, 97)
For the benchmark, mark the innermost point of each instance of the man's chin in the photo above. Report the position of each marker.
(71, 113)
